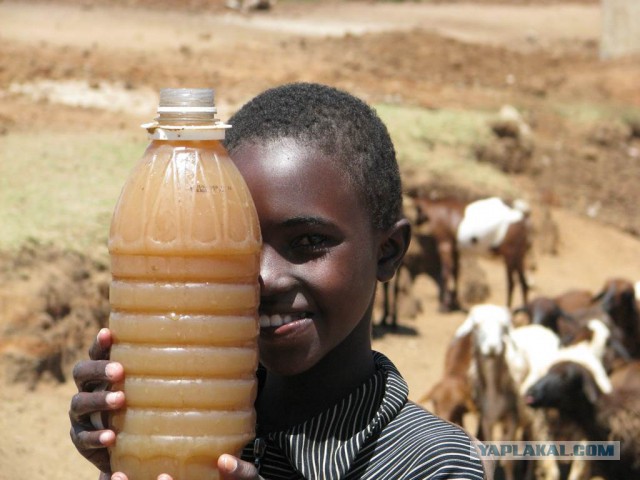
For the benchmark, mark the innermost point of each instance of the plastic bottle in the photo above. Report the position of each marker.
(185, 246)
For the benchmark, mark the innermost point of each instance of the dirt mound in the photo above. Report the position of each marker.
(53, 302)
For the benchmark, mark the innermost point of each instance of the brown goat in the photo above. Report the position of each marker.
(617, 299)
(451, 397)
(444, 217)
(555, 312)
(571, 389)
(421, 258)
(627, 376)
(497, 399)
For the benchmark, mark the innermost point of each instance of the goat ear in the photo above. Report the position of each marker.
(606, 296)
(590, 389)
(619, 349)
(465, 328)
(393, 246)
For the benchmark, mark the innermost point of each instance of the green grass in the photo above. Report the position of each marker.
(61, 188)
(585, 113)
(439, 144)
(414, 129)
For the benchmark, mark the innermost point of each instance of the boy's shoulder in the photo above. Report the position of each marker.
(431, 445)
(413, 443)
(423, 426)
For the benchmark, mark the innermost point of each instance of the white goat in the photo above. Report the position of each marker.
(588, 353)
(527, 348)
(495, 392)
(528, 352)
(506, 361)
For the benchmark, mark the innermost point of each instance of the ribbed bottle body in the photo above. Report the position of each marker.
(185, 251)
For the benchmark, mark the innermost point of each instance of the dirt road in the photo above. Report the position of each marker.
(516, 26)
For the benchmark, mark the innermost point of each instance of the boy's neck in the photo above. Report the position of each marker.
(286, 401)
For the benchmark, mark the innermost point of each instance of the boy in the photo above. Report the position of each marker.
(321, 168)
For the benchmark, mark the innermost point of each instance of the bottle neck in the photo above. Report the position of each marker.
(185, 118)
(186, 126)
(186, 114)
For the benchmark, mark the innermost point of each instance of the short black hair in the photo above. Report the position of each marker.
(344, 127)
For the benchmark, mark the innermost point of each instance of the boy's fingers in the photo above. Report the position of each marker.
(84, 404)
(122, 476)
(101, 346)
(89, 374)
(92, 445)
(92, 440)
(231, 468)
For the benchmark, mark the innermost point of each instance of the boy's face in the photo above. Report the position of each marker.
(318, 269)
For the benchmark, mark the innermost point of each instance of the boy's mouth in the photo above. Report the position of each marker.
(277, 320)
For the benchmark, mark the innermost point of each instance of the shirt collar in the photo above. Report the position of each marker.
(326, 445)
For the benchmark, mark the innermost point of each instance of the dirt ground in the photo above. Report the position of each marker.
(475, 54)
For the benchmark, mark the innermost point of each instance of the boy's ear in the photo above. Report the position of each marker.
(393, 246)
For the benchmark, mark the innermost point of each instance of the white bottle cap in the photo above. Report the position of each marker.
(187, 100)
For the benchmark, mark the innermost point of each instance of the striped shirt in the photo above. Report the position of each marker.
(373, 433)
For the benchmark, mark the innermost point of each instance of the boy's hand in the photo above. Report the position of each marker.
(230, 468)
(93, 378)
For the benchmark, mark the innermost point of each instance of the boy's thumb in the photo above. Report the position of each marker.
(233, 469)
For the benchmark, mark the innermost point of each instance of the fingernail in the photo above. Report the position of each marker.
(230, 463)
(118, 476)
(110, 370)
(106, 438)
(164, 476)
(100, 332)
(113, 398)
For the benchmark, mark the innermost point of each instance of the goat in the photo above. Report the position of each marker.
(486, 225)
(526, 350)
(618, 299)
(570, 314)
(554, 312)
(495, 392)
(451, 396)
(443, 217)
(590, 347)
(604, 339)
(245, 6)
(421, 258)
(602, 412)
(529, 349)
(588, 350)
(627, 375)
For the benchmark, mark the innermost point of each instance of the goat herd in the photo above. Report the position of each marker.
(449, 226)
(565, 368)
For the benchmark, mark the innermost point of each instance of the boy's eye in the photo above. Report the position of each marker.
(311, 241)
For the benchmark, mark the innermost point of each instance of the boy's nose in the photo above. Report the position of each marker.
(275, 272)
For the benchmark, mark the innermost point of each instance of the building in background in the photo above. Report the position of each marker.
(620, 28)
